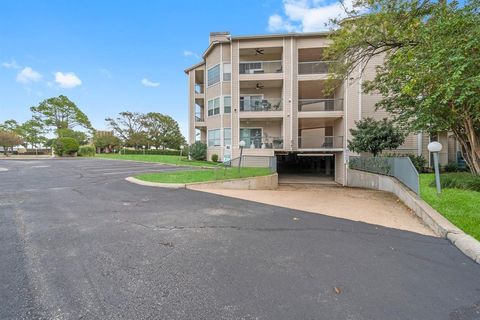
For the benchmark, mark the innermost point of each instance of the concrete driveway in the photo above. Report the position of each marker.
(79, 242)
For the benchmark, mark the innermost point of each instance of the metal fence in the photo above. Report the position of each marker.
(401, 168)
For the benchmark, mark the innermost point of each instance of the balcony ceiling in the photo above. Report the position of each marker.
(265, 84)
(266, 51)
(314, 123)
(312, 54)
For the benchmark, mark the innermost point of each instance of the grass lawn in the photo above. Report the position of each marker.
(158, 159)
(203, 175)
(461, 207)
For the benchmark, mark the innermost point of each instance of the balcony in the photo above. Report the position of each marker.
(199, 88)
(320, 142)
(263, 142)
(260, 67)
(199, 117)
(260, 105)
(320, 105)
(314, 67)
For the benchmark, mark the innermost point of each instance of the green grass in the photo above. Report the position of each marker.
(203, 175)
(461, 207)
(176, 160)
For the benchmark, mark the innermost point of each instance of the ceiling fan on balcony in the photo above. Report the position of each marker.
(259, 51)
(259, 86)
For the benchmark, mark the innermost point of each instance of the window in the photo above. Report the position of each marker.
(213, 75)
(227, 136)
(213, 107)
(227, 104)
(227, 72)
(214, 138)
(251, 136)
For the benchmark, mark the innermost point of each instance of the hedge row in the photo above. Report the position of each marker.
(159, 152)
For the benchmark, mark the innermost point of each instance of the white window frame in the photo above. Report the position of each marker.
(213, 109)
(219, 139)
(223, 71)
(223, 100)
(219, 75)
(249, 96)
(225, 141)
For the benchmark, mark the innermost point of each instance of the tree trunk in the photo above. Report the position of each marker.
(470, 147)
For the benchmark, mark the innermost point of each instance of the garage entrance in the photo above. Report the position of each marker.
(306, 167)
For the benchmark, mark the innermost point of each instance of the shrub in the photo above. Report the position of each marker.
(86, 151)
(419, 162)
(198, 151)
(451, 167)
(214, 157)
(459, 180)
(157, 152)
(66, 146)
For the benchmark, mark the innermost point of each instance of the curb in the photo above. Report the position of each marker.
(222, 184)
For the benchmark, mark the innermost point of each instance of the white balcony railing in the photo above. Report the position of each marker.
(199, 88)
(320, 142)
(258, 67)
(199, 117)
(314, 67)
(258, 105)
(263, 142)
(306, 105)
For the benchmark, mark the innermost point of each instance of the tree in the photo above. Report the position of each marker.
(66, 146)
(60, 113)
(375, 136)
(163, 131)
(32, 132)
(129, 126)
(429, 80)
(79, 136)
(105, 141)
(198, 151)
(9, 139)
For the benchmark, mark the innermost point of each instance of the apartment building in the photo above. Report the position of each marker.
(267, 90)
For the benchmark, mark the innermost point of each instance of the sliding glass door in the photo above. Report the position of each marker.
(251, 136)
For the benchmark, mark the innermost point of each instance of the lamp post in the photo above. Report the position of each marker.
(241, 144)
(435, 148)
(181, 151)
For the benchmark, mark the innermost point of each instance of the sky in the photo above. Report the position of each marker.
(114, 56)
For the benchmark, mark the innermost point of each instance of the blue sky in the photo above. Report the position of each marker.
(113, 56)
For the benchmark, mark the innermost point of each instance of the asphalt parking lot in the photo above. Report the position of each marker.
(79, 242)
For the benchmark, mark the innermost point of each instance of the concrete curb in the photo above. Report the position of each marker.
(431, 217)
(269, 182)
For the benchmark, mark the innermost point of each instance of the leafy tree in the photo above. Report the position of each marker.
(10, 125)
(105, 141)
(431, 50)
(80, 136)
(9, 139)
(32, 132)
(375, 136)
(129, 126)
(163, 131)
(66, 146)
(60, 113)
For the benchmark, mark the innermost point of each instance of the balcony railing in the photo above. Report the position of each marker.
(314, 67)
(263, 142)
(199, 117)
(258, 105)
(306, 105)
(257, 67)
(199, 88)
(320, 142)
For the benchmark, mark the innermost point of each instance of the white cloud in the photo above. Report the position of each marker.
(67, 80)
(307, 15)
(188, 53)
(148, 83)
(11, 65)
(28, 75)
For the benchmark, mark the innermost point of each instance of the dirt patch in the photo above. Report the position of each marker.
(370, 206)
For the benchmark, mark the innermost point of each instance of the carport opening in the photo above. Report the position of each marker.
(321, 165)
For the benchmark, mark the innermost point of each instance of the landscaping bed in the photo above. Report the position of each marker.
(206, 175)
(460, 206)
(165, 159)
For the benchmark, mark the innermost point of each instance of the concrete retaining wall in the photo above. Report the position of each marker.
(438, 223)
(254, 183)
